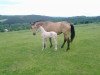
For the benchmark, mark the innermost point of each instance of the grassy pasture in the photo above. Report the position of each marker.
(21, 54)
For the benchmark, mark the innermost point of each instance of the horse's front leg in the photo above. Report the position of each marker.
(50, 39)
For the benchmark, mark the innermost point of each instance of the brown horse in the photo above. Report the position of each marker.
(59, 27)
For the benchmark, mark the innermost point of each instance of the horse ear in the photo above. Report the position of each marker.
(31, 23)
(41, 24)
(37, 25)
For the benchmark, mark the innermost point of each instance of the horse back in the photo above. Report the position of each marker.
(65, 26)
(53, 26)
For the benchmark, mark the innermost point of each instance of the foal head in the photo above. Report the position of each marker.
(35, 26)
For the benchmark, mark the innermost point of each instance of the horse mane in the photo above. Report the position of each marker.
(38, 21)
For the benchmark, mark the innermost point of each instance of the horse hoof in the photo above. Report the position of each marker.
(67, 49)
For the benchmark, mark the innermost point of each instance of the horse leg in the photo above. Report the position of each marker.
(64, 42)
(68, 44)
(50, 42)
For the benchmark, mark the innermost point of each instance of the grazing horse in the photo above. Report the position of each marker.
(45, 35)
(59, 27)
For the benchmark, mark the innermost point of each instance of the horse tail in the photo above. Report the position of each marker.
(72, 32)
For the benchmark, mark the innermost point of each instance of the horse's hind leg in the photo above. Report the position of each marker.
(63, 43)
(50, 39)
(68, 44)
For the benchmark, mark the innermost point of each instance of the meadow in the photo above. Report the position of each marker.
(21, 54)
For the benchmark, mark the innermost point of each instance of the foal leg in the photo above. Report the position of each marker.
(43, 44)
(50, 39)
(55, 41)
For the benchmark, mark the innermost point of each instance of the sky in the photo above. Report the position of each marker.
(58, 8)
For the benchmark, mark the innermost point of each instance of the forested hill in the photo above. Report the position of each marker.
(28, 18)
(20, 22)
(7, 19)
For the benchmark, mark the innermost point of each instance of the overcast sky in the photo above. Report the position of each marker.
(63, 8)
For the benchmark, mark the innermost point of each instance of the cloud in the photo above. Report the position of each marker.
(51, 7)
(8, 2)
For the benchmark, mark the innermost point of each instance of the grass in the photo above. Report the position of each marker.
(21, 54)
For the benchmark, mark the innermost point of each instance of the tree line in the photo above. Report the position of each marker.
(21, 22)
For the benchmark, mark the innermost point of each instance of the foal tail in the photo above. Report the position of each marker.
(72, 32)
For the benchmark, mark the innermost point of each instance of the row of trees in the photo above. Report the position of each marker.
(21, 22)
(83, 19)
(14, 27)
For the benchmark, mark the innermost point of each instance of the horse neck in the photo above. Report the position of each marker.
(42, 29)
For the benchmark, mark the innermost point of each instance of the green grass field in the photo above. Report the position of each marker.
(21, 54)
